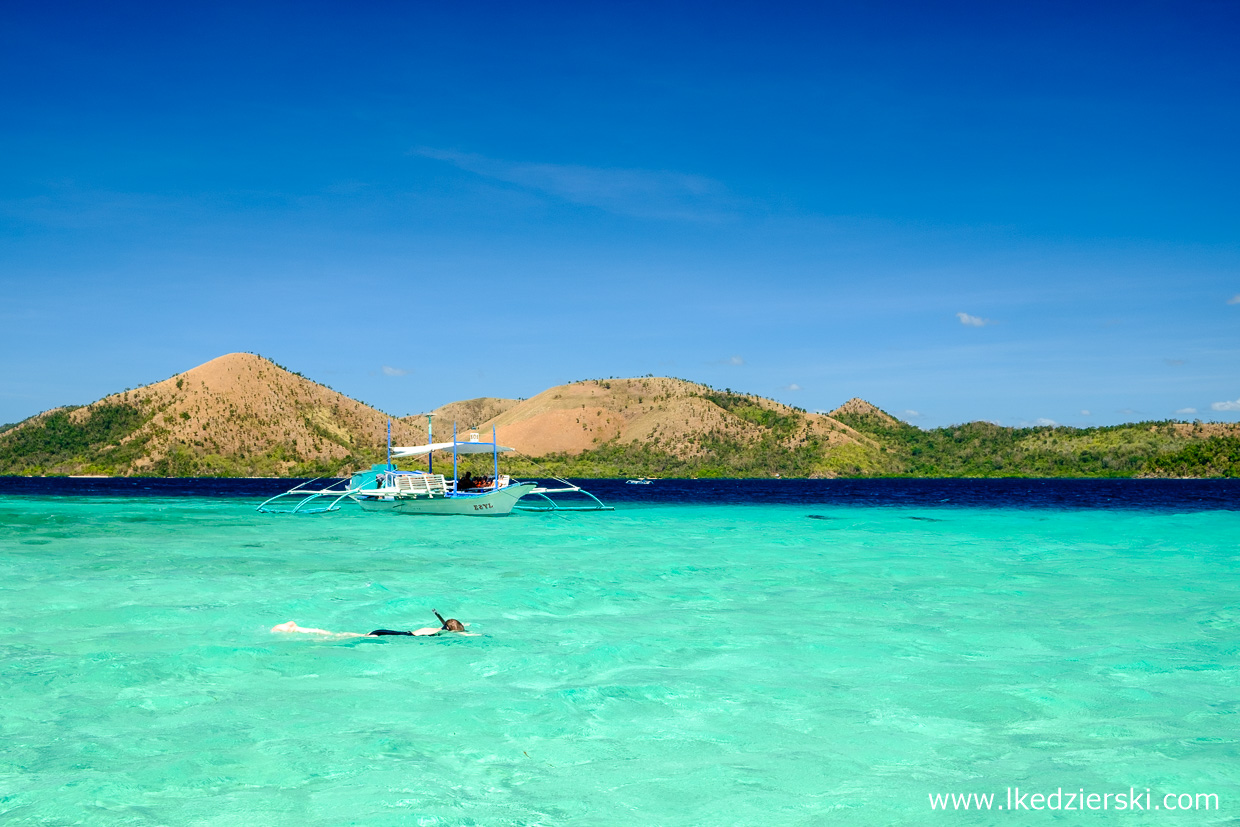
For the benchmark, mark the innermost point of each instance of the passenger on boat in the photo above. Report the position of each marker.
(465, 483)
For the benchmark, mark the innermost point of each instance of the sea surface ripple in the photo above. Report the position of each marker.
(788, 658)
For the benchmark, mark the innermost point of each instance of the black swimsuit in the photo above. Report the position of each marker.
(381, 632)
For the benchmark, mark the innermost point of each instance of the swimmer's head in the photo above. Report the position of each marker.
(453, 625)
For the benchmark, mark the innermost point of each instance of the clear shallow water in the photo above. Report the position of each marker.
(669, 663)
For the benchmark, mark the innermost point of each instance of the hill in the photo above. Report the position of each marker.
(983, 449)
(237, 415)
(670, 427)
(242, 415)
(659, 425)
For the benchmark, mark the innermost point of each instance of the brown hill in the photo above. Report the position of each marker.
(677, 416)
(242, 415)
(237, 414)
(469, 414)
(859, 407)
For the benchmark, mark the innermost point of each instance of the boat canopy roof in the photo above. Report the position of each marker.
(460, 448)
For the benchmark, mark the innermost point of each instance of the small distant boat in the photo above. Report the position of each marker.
(383, 488)
(641, 481)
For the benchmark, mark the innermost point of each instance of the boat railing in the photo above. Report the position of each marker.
(386, 482)
(331, 493)
(418, 484)
(544, 503)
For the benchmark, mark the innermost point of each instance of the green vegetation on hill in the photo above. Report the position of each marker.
(747, 408)
(109, 438)
(181, 461)
(982, 449)
(976, 449)
(97, 444)
(1216, 456)
(722, 459)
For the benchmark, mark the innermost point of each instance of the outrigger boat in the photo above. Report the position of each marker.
(386, 489)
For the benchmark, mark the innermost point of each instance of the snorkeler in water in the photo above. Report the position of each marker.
(449, 625)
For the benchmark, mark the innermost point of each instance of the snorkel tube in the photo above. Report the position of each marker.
(443, 624)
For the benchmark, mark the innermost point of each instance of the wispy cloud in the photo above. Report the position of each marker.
(1225, 406)
(793, 387)
(1234, 299)
(972, 321)
(911, 414)
(735, 361)
(641, 193)
(1186, 411)
(390, 371)
(1044, 422)
(1085, 412)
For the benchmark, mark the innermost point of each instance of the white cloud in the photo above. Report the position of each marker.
(731, 360)
(1040, 422)
(911, 414)
(1225, 406)
(642, 193)
(1085, 413)
(389, 371)
(1183, 411)
(972, 321)
(793, 387)
(1234, 299)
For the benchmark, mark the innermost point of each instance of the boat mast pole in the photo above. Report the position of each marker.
(389, 462)
(454, 454)
(430, 431)
(495, 453)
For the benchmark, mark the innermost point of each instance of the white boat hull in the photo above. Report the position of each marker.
(482, 504)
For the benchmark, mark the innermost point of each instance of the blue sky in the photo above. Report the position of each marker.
(1011, 212)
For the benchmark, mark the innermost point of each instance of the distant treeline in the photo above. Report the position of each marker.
(977, 449)
(108, 439)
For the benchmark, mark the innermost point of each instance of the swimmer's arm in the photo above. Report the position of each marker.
(429, 631)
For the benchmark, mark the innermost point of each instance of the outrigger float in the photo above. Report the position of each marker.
(386, 489)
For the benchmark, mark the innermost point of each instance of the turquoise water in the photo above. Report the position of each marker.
(659, 665)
